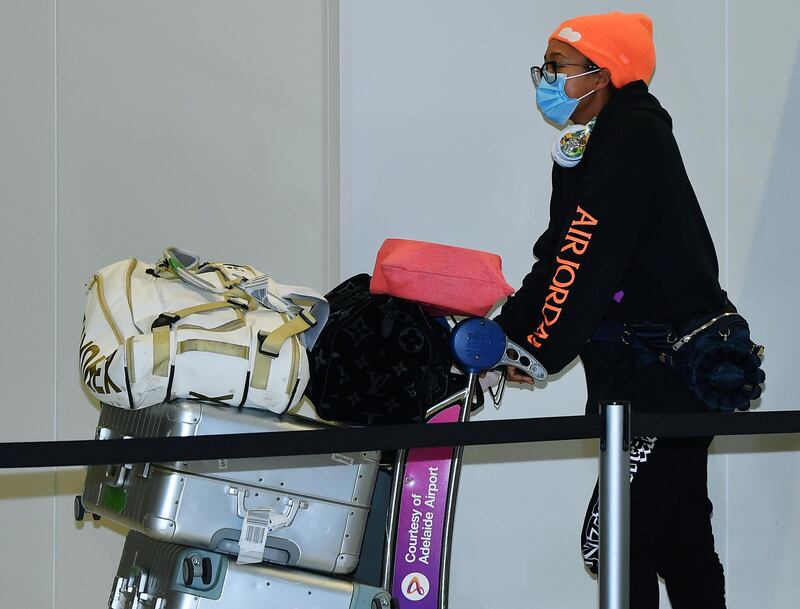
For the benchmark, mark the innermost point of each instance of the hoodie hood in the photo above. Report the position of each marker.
(631, 100)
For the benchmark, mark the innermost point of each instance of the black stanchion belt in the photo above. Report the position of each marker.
(388, 437)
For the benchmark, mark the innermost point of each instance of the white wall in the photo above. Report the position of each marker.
(27, 226)
(126, 127)
(441, 141)
(764, 474)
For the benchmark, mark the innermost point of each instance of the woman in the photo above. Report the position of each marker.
(626, 244)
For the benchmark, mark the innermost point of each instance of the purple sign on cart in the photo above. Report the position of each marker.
(420, 524)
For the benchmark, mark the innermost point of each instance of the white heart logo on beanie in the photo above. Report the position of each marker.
(569, 34)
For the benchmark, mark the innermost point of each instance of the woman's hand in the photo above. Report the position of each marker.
(514, 375)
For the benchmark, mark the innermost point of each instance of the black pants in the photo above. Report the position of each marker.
(670, 526)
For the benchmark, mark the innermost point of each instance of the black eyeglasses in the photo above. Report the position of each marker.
(549, 71)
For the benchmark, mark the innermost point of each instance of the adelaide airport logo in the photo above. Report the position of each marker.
(415, 586)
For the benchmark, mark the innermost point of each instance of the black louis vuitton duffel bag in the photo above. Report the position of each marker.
(379, 359)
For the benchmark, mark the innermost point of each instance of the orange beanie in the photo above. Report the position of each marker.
(620, 42)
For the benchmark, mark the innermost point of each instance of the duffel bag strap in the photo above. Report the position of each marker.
(269, 293)
(273, 341)
(270, 343)
(290, 299)
(97, 282)
(169, 318)
(161, 351)
(185, 265)
(259, 291)
(179, 264)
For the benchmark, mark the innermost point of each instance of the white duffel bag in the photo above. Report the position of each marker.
(219, 332)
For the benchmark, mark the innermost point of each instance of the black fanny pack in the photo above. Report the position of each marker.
(714, 355)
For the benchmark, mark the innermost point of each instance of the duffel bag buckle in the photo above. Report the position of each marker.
(165, 319)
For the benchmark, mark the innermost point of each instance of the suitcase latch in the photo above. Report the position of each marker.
(277, 521)
(116, 474)
(282, 521)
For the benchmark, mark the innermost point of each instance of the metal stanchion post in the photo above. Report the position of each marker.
(615, 494)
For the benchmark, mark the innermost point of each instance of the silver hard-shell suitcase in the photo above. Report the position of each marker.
(317, 504)
(157, 575)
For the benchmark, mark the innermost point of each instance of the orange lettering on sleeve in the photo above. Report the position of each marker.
(586, 218)
(576, 242)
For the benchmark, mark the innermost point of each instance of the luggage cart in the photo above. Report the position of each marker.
(416, 565)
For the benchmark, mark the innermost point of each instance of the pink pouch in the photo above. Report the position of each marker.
(445, 279)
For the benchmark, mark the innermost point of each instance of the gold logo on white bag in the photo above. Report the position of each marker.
(94, 368)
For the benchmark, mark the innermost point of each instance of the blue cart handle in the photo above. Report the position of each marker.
(479, 344)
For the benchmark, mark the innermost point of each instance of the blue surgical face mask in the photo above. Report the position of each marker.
(553, 100)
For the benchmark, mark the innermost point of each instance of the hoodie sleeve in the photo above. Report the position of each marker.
(594, 247)
(520, 310)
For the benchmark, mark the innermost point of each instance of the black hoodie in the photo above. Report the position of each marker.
(626, 242)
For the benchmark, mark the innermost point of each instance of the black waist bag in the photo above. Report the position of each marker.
(379, 359)
(715, 355)
(719, 361)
